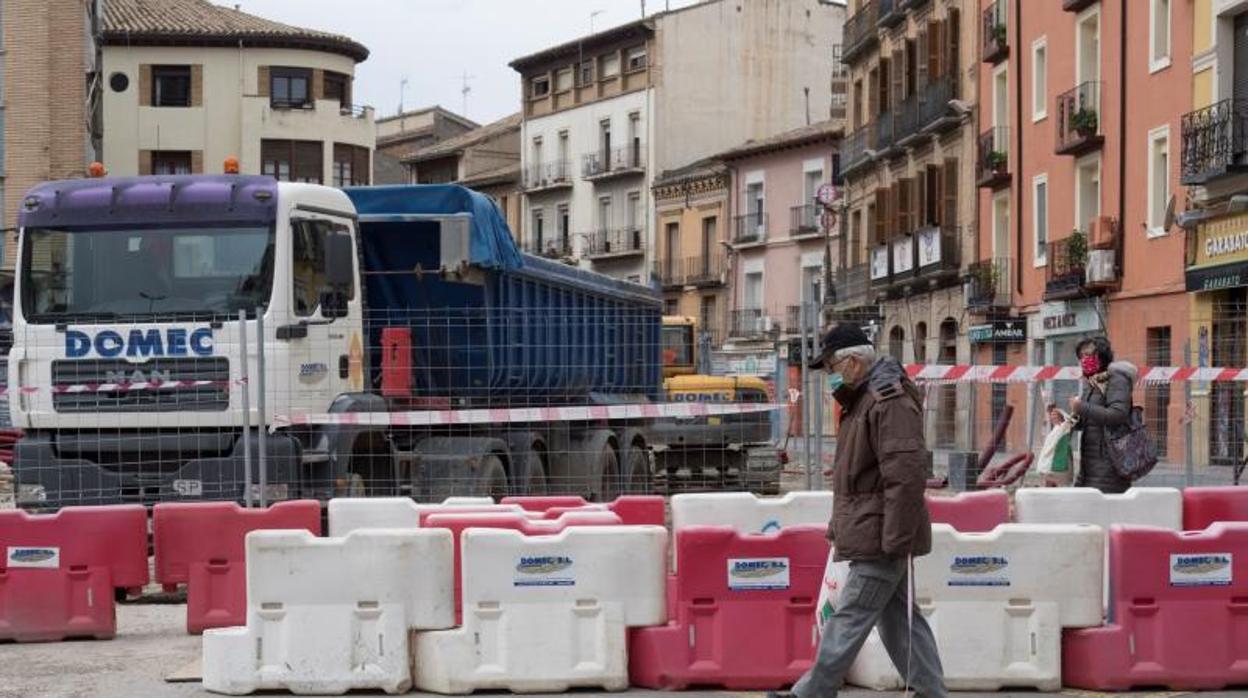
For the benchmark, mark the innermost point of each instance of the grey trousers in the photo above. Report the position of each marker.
(874, 595)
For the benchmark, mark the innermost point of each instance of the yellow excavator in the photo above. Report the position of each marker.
(731, 452)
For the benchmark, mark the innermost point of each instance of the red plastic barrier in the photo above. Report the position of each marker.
(971, 512)
(59, 570)
(514, 521)
(633, 509)
(201, 545)
(1178, 604)
(1203, 506)
(733, 624)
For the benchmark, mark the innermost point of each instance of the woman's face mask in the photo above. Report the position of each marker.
(1091, 365)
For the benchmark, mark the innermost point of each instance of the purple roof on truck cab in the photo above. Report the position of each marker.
(154, 200)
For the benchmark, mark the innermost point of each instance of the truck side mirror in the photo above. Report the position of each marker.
(339, 266)
(333, 305)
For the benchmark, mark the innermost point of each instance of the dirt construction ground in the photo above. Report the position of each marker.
(151, 645)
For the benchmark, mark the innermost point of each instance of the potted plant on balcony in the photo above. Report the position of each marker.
(984, 279)
(1077, 249)
(1084, 122)
(997, 161)
(1000, 34)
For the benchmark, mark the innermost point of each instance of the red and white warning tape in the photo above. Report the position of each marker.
(512, 415)
(1034, 374)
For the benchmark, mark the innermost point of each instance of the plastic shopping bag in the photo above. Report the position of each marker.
(1055, 452)
(835, 575)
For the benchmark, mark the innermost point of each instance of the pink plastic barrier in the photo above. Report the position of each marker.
(59, 570)
(201, 545)
(971, 512)
(633, 510)
(514, 521)
(1203, 506)
(1179, 603)
(742, 611)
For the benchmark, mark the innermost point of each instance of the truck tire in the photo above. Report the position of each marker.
(609, 478)
(636, 469)
(492, 479)
(528, 474)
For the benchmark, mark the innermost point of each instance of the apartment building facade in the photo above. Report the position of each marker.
(486, 159)
(780, 236)
(189, 84)
(605, 114)
(403, 134)
(1079, 189)
(50, 100)
(909, 224)
(691, 261)
(1213, 163)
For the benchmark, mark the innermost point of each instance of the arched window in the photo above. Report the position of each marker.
(897, 342)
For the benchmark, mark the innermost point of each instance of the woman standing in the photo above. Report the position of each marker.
(1103, 404)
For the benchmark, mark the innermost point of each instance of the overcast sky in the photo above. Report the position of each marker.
(432, 43)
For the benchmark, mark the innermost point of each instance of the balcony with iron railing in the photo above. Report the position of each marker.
(669, 273)
(860, 31)
(803, 220)
(1076, 269)
(617, 162)
(750, 228)
(855, 149)
(935, 113)
(554, 247)
(851, 286)
(548, 176)
(988, 285)
(907, 120)
(938, 252)
(910, 5)
(793, 319)
(705, 270)
(885, 141)
(995, 33)
(1077, 5)
(615, 242)
(749, 323)
(992, 158)
(1079, 120)
(891, 12)
(1214, 143)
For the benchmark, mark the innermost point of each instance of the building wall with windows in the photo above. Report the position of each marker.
(48, 121)
(285, 112)
(777, 231)
(691, 261)
(1079, 208)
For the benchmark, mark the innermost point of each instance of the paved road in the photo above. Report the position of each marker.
(152, 644)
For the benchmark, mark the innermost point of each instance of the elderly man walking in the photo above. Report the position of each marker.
(879, 520)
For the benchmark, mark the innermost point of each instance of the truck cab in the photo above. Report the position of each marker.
(128, 344)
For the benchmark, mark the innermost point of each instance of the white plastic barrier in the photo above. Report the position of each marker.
(328, 615)
(1138, 506)
(749, 513)
(548, 613)
(347, 514)
(997, 603)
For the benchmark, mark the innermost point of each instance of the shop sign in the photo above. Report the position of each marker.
(1217, 277)
(1222, 241)
(903, 255)
(1068, 318)
(999, 332)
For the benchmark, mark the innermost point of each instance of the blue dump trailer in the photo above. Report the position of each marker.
(456, 317)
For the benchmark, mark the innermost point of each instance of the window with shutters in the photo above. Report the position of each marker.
(952, 36)
(884, 86)
(931, 212)
(290, 88)
(903, 207)
(949, 205)
(911, 85)
(171, 86)
(338, 88)
(873, 94)
(899, 77)
(292, 161)
(1159, 35)
(350, 165)
(880, 215)
(922, 53)
(171, 162)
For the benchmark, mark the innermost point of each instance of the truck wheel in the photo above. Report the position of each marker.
(636, 470)
(528, 475)
(609, 467)
(492, 480)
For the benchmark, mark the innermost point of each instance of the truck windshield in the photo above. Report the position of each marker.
(80, 275)
(678, 345)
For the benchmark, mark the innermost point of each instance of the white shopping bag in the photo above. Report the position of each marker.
(835, 575)
(1044, 463)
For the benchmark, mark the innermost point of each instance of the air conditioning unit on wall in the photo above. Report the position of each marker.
(1101, 267)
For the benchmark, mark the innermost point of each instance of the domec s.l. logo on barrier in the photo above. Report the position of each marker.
(41, 557)
(979, 571)
(544, 571)
(756, 574)
(1201, 570)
